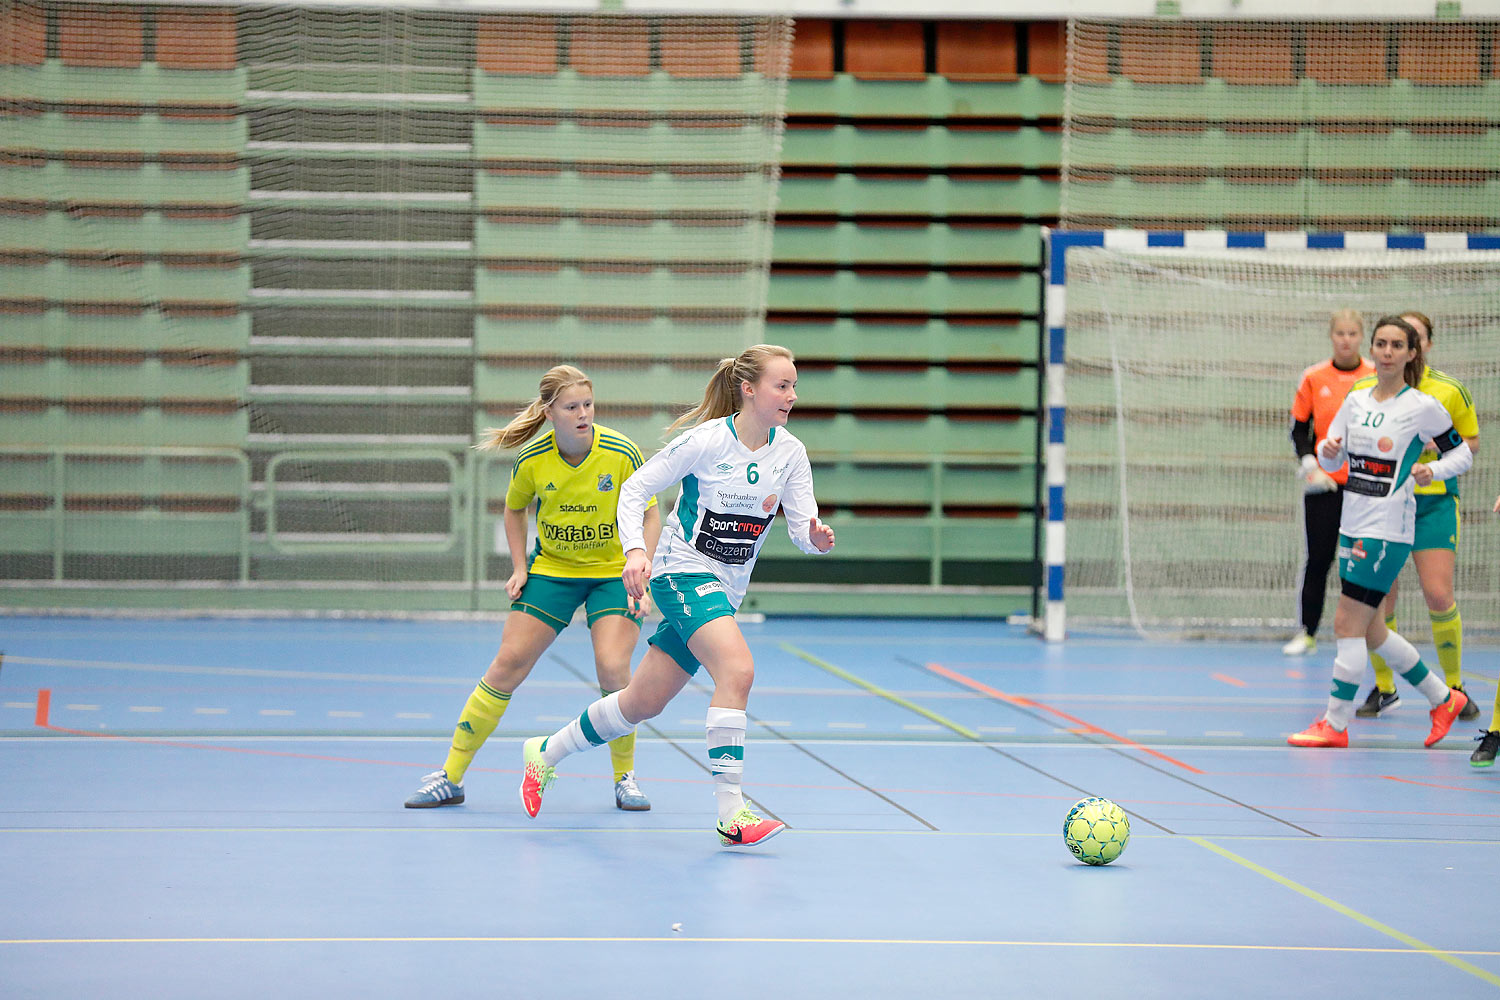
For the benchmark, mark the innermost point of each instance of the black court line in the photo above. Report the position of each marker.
(1136, 758)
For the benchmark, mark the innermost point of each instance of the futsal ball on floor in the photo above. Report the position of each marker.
(1096, 831)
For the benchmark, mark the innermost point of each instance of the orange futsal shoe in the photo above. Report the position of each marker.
(747, 829)
(1445, 715)
(1321, 734)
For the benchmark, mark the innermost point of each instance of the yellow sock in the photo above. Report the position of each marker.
(1448, 637)
(1385, 679)
(480, 717)
(622, 754)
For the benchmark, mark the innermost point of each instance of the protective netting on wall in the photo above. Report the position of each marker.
(268, 271)
(1281, 125)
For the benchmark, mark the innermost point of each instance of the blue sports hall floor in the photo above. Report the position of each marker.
(213, 808)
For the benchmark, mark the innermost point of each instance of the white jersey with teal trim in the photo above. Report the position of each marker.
(729, 498)
(1382, 440)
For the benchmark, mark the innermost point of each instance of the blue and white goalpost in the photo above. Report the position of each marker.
(1173, 504)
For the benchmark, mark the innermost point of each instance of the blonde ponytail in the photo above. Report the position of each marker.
(722, 395)
(529, 419)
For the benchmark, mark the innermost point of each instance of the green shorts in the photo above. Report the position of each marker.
(687, 601)
(1372, 563)
(1437, 522)
(553, 599)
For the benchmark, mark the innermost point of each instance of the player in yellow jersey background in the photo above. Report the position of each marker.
(572, 474)
(1436, 544)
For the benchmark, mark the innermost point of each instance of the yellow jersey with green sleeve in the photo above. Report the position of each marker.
(1460, 406)
(1382, 439)
(729, 497)
(576, 535)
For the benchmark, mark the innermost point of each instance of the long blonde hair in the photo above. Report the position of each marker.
(722, 395)
(530, 417)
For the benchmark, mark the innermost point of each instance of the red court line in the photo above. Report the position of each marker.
(1086, 727)
(1446, 788)
(1229, 680)
(43, 706)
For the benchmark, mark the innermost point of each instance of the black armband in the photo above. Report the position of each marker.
(1447, 441)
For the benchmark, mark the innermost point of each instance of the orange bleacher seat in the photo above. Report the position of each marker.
(1048, 44)
(812, 50)
(1161, 53)
(1259, 55)
(23, 35)
(1346, 53)
(610, 46)
(693, 48)
(195, 39)
(517, 44)
(885, 50)
(976, 50)
(1438, 55)
(109, 37)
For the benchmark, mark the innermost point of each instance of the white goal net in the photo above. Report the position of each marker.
(1183, 499)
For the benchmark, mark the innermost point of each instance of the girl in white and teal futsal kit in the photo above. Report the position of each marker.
(737, 464)
(1379, 429)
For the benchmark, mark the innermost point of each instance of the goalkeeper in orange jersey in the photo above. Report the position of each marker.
(1322, 389)
(573, 474)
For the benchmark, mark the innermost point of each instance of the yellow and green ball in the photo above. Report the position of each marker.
(1096, 831)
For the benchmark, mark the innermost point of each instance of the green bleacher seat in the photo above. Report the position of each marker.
(149, 378)
(938, 244)
(656, 142)
(850, 339)
(935, 388)
(147, 184)
(652, 241)
(145, 330)
(828, 436)
(653, 288)
(936, 196)
(553, 338)
(148, 232)
(846, 96)
(657, 92)
(935, 293)
(568, 191)
(108, 281)
(147, 84)
(931, 146)
(208, 424)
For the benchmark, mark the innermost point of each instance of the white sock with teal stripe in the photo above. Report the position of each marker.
(1348, 668)
(600, 722)
(726, 758)
(1401, 656)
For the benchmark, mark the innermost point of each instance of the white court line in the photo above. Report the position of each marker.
(277, 711)
(926, 727)
(210, 711)
(145, 708)
(82, 708)
(20, 704)
(413, 715)
(1145, 732)
(997, 729)
(1222, 732)
(846, 725)
(338, 714)
(772, 722)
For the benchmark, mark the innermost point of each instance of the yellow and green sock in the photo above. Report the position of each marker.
(480, 716)
(1448, 637)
